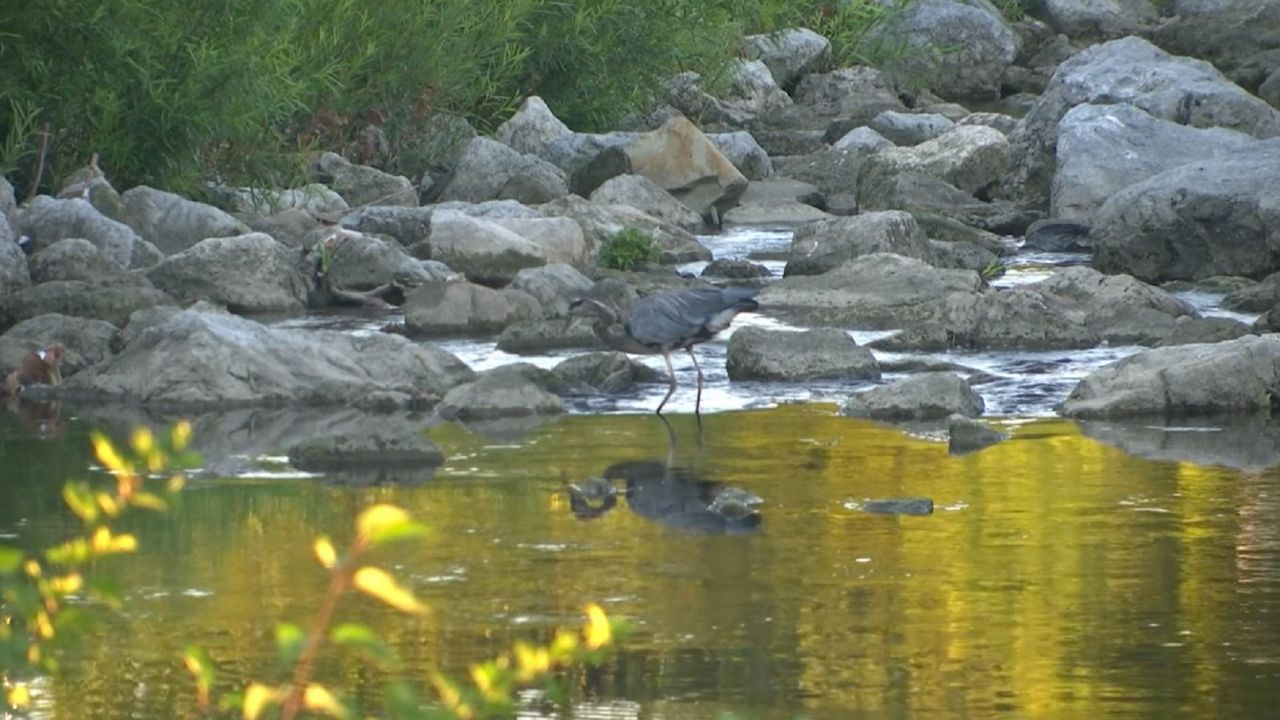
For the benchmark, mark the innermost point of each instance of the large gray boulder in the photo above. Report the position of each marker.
(877, 291)
(1196, 220)
(600, 222)
(979, 46)
(489, 170)
(409, 226)
(194, 360)
(112, 300)
(498, 394)
(789, 54)
(14, 272)
(531, 128)
(1099, 19)
(249, 273)
(1228, 33)
(360, 262)
(759, 354)
(927, 396)
(643, 194)
(70, 259)
(1129, 70)
(311, 199)
(833, 172)
(924, 195)
(1074, 308)
(451, 308)
(366, 450)
(910, 128)
(685, 163)
(554, 286)
(778, 201)
(749, 93)
(483, 250)
(744, 152)
(969, 157)
(47, 221)
(1233, 376)
(360, 184)
(1103, 149)
(174, 223)
(607, 372)
(820, 246)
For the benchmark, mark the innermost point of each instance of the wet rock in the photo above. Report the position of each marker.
(685, 163)
(785, 213)
(112, 301)
(966, 435)
(140, 320)
(541, 335)
(1055, 235)
(363, 451)
(607, 372)
(194, 360)
(1236, 375)
(897, 506)
(760, 354)
(877, 291)
(735, 269)
(553, 286)
(1133, 71)
(173, 223)
(442, 308)
(1103, 149)
(1195, 221)
(643, 194)
(497, 395)
(985, 46)
(86, 341)
(961, 254)
(47, 221)
(921, 397)
(409, 226)
(820, 246)
(361, 262)
(246, 273)
(917, 193)
(969, 158)
(1188, 330)
(1257, 297)
(789, 54)
(904, 128)
(489, 170)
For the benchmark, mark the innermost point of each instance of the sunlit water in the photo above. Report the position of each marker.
(1058, 576)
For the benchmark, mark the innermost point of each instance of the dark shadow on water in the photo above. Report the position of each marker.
(679, 497)
(1246, 443)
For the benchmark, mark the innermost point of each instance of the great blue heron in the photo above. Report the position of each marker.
(669, 321)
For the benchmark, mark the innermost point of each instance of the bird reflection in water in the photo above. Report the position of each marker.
(678, 497)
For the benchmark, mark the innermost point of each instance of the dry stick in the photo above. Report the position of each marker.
(44, 148)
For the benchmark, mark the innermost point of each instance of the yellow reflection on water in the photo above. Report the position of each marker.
(1057, 577)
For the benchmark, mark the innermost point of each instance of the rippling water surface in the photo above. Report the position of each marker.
(1059, 576)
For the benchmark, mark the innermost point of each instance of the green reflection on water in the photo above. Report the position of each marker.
(1058, 578)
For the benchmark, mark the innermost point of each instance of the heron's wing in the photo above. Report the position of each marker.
(676, 318)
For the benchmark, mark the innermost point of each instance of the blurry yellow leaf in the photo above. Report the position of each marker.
(564, 645)
(19, 696)
(324, 552)
(107, 455)
(531, 662)
(150, 501)
(198, 662)
(451, 697)
(320, 699)
(80, 499)
(10, 560)
(44, 626)
(176, 483)
(143, 441)
(386, 523)
(31, 568)
(180, 435)
(256, 699)
(104, 543)
(598, 632)
(107, 503)
(379, 583)
(66, 584)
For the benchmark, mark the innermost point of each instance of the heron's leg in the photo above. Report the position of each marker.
(671, 376)
(697, 405)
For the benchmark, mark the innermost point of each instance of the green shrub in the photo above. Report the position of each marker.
(629, 249)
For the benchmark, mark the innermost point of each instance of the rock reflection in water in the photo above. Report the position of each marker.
(1246, 443)
(679, 497)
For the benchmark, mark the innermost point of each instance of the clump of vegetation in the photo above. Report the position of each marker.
(36, 621)
(628, 249)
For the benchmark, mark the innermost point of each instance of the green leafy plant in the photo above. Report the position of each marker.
(628, 249)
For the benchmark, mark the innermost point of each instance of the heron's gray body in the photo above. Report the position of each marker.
(670, 321)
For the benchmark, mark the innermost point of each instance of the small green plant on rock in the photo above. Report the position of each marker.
(629, 249)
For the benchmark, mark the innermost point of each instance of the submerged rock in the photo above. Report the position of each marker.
(966, 435)
(499, 395)
(922, 397)
(897, 506)
(363, 451)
